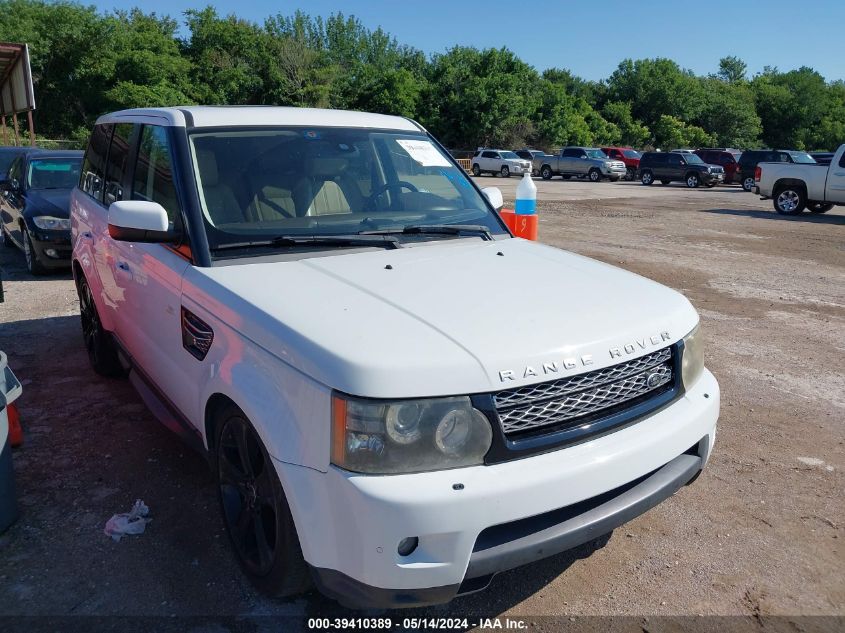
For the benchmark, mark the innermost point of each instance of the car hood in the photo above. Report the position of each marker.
(447, 317)
(54, 202)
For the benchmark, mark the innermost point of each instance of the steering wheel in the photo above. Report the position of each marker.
(400, 184)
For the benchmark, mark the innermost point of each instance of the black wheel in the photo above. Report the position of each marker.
(476, 170)
(693, 180)
(506, 172)
(789, 200)
(630, 174)
(594, 175)
(255, 510)
(819, 207)
(33, 264)
(98, 342)
(546, 172)
(647, 178)
(747, 183)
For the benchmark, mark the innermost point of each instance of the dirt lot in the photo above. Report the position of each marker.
(760, 533)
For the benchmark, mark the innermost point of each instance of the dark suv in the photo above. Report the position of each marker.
(727, 157)
(678, 167)
(752, 157)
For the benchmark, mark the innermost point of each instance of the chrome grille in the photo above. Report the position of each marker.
(569, 399)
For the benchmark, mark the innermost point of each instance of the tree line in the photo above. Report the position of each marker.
(86, 62)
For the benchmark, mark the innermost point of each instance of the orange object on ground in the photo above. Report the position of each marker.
(508, 216)
(525, 226)
(15, 430)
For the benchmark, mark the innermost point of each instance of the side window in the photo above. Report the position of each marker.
(674, 160)
(153, 179)
(489, 155)
(93, 166)
(116, 165)
(571, 153)
(16, 170)
(842, 160)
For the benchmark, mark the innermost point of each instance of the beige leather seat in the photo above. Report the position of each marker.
(321, 194)
(273, 203)
(220, 201)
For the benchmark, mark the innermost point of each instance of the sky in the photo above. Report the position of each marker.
(589, 38)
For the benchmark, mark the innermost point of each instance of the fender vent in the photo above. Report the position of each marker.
(197, 335)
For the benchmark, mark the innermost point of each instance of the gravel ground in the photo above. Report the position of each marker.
(758, 535)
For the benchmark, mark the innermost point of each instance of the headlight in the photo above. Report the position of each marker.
(407, 436)
(49, 223)
(692, 361)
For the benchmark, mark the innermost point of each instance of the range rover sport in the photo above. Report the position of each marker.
(314, 299)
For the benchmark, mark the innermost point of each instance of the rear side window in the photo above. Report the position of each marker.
(94, 163)
(489, 155)
(572, 152)
(116, 165)
(153, 180)
(842, 160)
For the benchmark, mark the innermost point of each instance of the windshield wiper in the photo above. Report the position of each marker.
(385, 241)
(435, 229)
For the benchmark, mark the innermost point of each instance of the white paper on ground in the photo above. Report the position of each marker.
(424, 152)
(132, 522)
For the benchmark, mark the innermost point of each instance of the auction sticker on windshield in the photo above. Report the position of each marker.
(424, 152)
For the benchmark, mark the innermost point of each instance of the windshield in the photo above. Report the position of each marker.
(53, 173)
(802, 157)
(509, 156)
(258, 184)
(631, 153)
(693, 159)
(595, 153)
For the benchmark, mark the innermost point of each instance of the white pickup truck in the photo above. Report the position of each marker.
(793, 187)
(398, 398)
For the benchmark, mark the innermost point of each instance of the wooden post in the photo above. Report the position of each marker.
(17, 131)
(31, 128)
(3, 125)
(14, 114)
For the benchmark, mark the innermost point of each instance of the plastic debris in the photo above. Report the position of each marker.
(132, 522)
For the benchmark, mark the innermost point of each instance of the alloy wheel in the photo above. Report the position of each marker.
(248, 496)
(788, 200)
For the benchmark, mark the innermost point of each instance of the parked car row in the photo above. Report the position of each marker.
(706, 165)
(35, 188)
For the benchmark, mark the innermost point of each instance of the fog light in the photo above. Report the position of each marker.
(51, 252)
(408, 545)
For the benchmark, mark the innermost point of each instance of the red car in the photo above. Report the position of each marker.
(725, 157)
(627, 155)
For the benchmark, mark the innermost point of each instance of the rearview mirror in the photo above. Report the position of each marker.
(139, 221)
(494, 197)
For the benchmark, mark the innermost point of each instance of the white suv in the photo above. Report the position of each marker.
(499, 161)
(398, 398)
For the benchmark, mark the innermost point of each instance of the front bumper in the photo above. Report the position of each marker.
(614, 172)
(712, 178)
(474, 522)
(53, 248)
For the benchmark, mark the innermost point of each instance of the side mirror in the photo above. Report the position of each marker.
(139, 221)
(494, 197)
(8, 186)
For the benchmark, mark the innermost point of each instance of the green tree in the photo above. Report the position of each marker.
(631, 131)
(729, 113)
(732, 69)
(670, 133)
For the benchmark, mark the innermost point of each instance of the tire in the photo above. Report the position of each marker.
(819, 207)
(647, 178)
(476, 170)
(33, 264)
(98, 342)
(594, 175)
(505, 171)
(693, 180)
(747, 183)
(629, 174)
(546, 172)
(255, 510)
(789, 200)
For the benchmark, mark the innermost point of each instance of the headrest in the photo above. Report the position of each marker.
(207, 163)
(326, 168)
